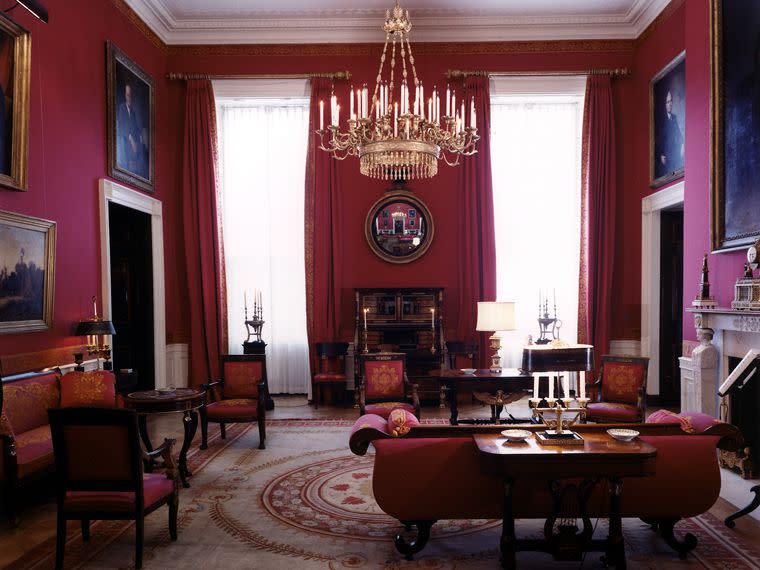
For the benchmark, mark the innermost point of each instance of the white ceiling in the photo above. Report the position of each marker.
(347, 21)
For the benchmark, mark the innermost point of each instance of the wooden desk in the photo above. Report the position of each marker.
(600, 456)
(184, 400)
(511, 381)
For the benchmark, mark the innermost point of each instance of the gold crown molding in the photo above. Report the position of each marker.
(460, 48)
(669, 10)
(138, 22)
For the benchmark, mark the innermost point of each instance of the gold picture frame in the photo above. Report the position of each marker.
(27, 273)
(16, 45)
(130, 103)
(415, 220)
(734, 125)
(666, 136)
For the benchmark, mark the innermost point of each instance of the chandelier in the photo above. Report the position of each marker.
(399, 136)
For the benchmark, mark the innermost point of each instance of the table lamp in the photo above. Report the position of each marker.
(495, 316)
(95, 329)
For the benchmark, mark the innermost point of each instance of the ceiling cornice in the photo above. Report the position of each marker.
(351, 26)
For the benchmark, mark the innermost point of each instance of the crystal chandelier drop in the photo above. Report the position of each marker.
(399, 136)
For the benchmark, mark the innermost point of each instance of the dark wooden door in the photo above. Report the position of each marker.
(671, 305)
(132, 292)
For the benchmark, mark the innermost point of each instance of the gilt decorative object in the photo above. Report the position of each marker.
(254, 325)
(398, 135)
(704, 300)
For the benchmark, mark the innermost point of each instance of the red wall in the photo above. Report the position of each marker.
(439, 267)
(67, 149)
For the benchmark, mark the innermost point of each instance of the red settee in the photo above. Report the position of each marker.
(448, 482)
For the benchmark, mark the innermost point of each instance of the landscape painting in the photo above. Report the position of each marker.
(27, 269)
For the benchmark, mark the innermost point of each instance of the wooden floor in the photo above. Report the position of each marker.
(38, 518)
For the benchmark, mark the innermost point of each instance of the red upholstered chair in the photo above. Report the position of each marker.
(332, 368)
(238, 397)
(99, 473)
(384, 386)
(621, 390)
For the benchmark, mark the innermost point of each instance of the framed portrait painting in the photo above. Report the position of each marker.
(667, 109)
(735, 123)
(131, 114)
(27, 273)
(15, 66)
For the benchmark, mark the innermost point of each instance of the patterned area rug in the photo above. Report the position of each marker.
(306, 502)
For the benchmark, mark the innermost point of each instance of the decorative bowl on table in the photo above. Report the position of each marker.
(516, 435)
(623, 434)
(468, 371)
(166, 390)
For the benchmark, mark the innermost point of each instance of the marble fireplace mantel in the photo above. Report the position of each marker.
(722, 333)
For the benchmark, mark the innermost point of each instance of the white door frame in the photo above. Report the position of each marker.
(651, 209)
(111, 191)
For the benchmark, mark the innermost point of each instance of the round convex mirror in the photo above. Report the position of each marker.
(399, 227)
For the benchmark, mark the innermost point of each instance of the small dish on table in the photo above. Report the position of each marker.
(166, 390)
(623, 434)
(516, 435)
(468, 371)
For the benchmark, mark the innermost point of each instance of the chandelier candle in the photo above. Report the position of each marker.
(391, 134)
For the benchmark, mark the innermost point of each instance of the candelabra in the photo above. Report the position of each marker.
(253, 327)
(545, 321)
(558, 430)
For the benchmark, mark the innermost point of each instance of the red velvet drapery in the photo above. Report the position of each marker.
(477, 244)
(323, 255)
(597, 216)
(202, 232)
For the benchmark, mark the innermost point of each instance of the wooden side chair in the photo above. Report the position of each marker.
(238, 397)
(99, 473)
(384, 385)
(332, 368)
(620, 390)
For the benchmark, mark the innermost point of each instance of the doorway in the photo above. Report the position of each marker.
(130, 238)
(671, 304)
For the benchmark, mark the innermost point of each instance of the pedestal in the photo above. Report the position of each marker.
(254, 347)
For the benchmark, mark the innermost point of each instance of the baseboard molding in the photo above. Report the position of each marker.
(176, 365)
(625, 347)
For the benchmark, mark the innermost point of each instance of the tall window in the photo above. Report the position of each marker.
(262, 143)
(536, 156)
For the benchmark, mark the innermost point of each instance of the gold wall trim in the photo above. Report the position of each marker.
(138, 22)
(462, 48)
(666, 13)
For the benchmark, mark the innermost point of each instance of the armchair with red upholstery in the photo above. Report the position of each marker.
(332, 368)
(620, 390)
(99, 473)
(384, 385)
(239, 397)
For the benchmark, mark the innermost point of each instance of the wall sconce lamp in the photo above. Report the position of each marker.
(35, 8)
(495, 316)
(96, 329)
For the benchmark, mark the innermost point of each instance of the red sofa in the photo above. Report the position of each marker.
(448, 482)
(26, 446)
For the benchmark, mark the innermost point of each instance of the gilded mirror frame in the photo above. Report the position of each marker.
(386, 199)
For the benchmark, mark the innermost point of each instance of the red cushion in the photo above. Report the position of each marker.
(26, 402)
(384, 379)
(384, 409)
(621, 381)
(612, 411)
(400, 421)
(235, 408)
(329, 377)
(155, 487)
(698, 421)
(241, 379)
(96, 389)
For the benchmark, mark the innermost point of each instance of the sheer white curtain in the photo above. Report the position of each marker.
(536, 152)
(262, 163)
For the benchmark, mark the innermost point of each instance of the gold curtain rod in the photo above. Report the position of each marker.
(329, 75)
(459, 73)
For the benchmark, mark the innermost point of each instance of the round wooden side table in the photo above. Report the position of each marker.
(181, 400)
